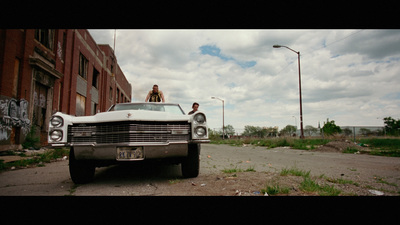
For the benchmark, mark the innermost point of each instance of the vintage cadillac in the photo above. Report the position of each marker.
(129, 132)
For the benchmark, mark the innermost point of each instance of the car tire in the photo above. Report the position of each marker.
(81, 171)
(191, 164)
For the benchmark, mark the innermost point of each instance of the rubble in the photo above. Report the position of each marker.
(340, 146)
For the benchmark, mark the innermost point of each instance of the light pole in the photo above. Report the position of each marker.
(223, 116)
(301, 107)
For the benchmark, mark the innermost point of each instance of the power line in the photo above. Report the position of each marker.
(326, 45)
(334, 42)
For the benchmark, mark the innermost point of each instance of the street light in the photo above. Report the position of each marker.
(301, 107)
(223, 117)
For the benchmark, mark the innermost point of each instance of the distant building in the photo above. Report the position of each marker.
(43, 71)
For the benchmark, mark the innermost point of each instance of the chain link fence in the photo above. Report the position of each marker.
(350, 132)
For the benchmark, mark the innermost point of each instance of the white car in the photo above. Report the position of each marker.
(130, 132)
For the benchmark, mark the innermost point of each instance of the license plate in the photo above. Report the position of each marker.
(130, 153)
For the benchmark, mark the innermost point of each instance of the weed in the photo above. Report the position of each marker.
(275, 189)
(250, 169)
(342, 181)
(73, 189)
(309, 185)
(39, 159)
(174, 181)
(234, 170)
(295, 172)
(382, 181)
(31, 140)
(350, 150)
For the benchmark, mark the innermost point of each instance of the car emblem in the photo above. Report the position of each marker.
(129, 115)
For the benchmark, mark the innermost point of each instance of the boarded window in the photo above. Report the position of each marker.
(40, 105)
(80, 105)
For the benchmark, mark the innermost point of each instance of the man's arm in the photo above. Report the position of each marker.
(147, 98)
(162, 96)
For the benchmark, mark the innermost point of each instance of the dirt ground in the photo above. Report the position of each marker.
(254, 184)
(251, 170)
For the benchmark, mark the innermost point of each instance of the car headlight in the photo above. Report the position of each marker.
(56, 135)
(199, 118)
(200, 131)
(56, 121)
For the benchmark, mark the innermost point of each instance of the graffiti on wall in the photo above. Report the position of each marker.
(13, 113)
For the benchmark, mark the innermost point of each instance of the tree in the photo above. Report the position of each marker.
(392, 126)
(271, 131)
(229, 130)
(254, 131)
(288, 130)
(365, 131)
(310, 130)
(330, 128)
(347, 131)
(213, 134)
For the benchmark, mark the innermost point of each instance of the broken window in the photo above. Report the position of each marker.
(83, 66)
(95, 81)
(45, 37)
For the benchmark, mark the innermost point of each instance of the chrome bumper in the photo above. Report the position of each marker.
(151, 150)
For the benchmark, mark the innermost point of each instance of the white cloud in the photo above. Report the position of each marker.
(348, 76)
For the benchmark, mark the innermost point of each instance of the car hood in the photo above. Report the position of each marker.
(130, 115)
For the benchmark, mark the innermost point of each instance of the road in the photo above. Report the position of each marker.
(369, 172)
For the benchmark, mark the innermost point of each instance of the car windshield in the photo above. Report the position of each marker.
(168, 108)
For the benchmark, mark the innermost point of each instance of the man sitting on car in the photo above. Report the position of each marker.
(155, 95)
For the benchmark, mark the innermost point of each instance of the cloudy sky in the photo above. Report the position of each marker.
(350, 76)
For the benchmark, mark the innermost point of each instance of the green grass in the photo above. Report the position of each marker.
(303, 144)
(379, 146)
(38, 159)
(309, 185)
(342, 181)
(275, 189)
(350, 150)
(232, 170)
(295, 172)
(236, 170)
(383, 146)
(382, 143)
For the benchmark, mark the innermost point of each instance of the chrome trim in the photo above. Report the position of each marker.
(130, 144)
(200, 141)
(132, 132)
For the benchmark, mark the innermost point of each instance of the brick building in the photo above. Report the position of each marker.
(43, 71)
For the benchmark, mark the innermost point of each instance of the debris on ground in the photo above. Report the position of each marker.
(375, 192)
(340, 146)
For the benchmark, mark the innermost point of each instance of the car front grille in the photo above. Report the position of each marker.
(103, 133)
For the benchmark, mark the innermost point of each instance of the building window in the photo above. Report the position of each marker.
(45, 37)
(95, 81)
(94, 108)
(117, 96)
(80, 105)
(83, 66)
(16, 78)
(111, 94)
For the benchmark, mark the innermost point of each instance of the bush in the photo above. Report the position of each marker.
(31, 140)
(330, 128)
